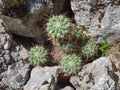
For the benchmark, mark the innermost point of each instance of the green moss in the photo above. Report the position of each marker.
(103, 47)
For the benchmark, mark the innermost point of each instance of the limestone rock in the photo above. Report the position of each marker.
(67, 88)
(98, 75)
(16, 75)
(98, 21)
(42, 76)
(111, 23)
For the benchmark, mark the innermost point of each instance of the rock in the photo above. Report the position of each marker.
(23, 53)
(36, 6)
(114, 54)
(16, 75)
(90, 14)
(44, 87)
(1, 6)
(111, 23)
(84, 15)
(19, 53)
(5, 44)
(14, 53)
(67, 88)
(56, 6)
(30, 25)
(98, 75)
(42, 76)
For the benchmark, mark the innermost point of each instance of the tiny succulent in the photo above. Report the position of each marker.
(90, 48)
(37, 55)
(78, 32)
(69, 47)
(58, 26)
(71, 64)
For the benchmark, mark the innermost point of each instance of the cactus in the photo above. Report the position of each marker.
(90, 49)
(58, 26)
(69, 47)
(71, 64)
(37, 55)
(78, 32)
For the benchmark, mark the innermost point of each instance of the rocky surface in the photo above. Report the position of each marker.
(98, 75)
(5, 44)
(43, 78)
(100, 18)
(16, 75)
(111, 23)
(13, 71)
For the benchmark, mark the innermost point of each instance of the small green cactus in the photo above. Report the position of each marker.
(78, 32)
(90, 49)
(71, 64)
(37, 55)
(58, 26)
(69, 47)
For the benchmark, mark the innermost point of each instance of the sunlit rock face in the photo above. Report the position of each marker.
(94, 15)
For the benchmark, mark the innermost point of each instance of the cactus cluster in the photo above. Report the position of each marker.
(58, 26)
(71, 64)
(90, 49)
(37, 55)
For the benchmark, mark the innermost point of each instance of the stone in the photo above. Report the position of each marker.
(7, 45)
(16, 75)
(23, 53)
(85, 17)
(55, 6)
(98, 75)
(111, 23)
(44, 87)
(41, 76)
(30, 26)
(14, 55)
(99, 18)
(67, 88)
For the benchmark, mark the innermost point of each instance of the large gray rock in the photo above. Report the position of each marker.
(40, 77)
(98, 75)
(84, 15)
(28, 26)
(90, 14)
(111, 23)
(31, 24)
(16, 75)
